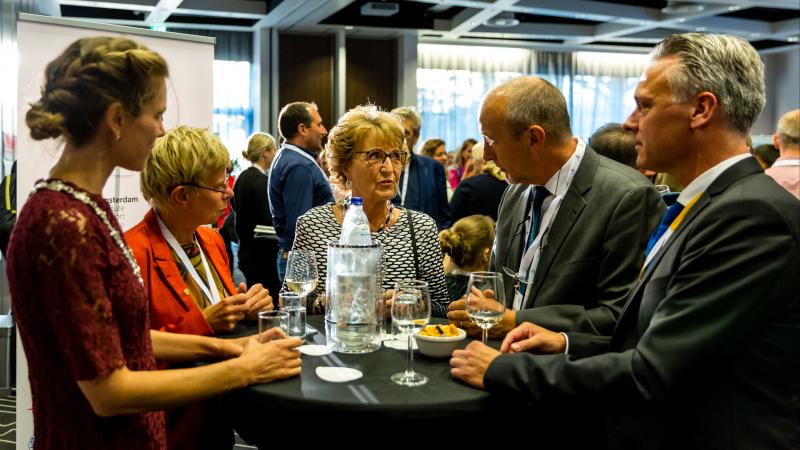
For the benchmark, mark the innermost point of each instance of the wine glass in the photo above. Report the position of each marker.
(411, 310)
(485, 300)
(301, 272)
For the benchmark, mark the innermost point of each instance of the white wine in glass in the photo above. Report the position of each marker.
(485, 300)
(301, 272)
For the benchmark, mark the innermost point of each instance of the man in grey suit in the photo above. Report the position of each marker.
(571, 255)
(706, 351)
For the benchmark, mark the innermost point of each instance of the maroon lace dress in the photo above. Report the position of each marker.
(81, 313)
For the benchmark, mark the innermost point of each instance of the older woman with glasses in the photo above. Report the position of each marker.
(366, 152)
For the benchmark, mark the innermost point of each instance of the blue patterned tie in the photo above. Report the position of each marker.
(540, 193)
(666, 221)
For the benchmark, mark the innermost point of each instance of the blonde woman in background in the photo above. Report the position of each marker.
(479, 194)
(467, 246)
(257, 255)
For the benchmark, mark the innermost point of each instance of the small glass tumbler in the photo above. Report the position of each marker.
(271, 319)
(294, 304)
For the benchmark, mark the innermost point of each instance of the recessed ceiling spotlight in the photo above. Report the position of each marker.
(682, 8)
(348, 27)
(793, 39)
(505, 19)
(734, 8)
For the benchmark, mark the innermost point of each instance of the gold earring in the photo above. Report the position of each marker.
(118, 135)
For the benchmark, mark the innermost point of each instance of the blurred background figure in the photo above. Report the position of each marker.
(435, 148)
(786, 169)
(612, 141)
(464, 154)
(467, 246)
(257, 256)
(765, 154)
(479, 194)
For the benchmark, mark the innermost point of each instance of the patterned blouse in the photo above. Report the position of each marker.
(319, 225)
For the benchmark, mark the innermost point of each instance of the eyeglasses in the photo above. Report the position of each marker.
(377, 157)
(221, 191)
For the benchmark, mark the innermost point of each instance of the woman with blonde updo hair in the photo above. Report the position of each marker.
(467, 246)
(257, 256)
(366, 152)
(78, 294)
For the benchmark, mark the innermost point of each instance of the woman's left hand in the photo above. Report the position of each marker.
(258, 299)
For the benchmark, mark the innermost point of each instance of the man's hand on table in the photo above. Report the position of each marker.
(532, 338)
(457, 315)
(469, 365)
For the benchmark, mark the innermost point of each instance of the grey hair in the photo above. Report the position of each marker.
(409, 113)
(789, 129)
(725, 65)
(533, 100)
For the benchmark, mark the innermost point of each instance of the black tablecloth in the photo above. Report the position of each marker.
(373, 398)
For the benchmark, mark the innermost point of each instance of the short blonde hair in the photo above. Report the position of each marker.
(256, 144)
(355, 126)
(789, 129)
(182, 155)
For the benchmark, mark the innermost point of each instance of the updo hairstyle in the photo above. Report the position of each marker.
(466, 240)
(256, 145)
(90, 75)
(355, 126)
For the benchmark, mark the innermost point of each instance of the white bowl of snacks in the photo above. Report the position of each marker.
(439, 341)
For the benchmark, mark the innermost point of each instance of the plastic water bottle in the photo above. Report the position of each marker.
(355, 226)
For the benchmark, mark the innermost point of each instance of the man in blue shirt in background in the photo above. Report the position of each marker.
(296, 182)
(423, 183)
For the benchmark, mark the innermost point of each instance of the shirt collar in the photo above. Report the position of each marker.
(260, 169)
(557, 184)
(702, 182)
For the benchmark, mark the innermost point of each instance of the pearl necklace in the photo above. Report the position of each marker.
(60, 186)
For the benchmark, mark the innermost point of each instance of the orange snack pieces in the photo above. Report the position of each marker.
(440, 330)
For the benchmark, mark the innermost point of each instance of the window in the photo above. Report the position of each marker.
(233, 112)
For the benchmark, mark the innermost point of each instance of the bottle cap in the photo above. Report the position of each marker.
(356, 201)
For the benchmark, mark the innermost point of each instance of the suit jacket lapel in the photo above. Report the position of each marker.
(568, 213)
(165, 262)
(725, 180)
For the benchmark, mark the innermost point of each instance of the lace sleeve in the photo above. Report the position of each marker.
(73, 260)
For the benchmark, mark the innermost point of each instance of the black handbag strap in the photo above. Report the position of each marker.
(413, 244)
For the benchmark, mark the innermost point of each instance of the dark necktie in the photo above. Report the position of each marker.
(672, 212)
(540, 193)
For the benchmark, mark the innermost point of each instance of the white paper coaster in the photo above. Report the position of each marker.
(338, 374)
(401, 343)
(314, 349)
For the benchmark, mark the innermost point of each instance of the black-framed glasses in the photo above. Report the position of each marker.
(221, 191)
(376, 157)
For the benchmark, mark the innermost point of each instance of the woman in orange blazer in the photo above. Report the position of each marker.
(185, 266)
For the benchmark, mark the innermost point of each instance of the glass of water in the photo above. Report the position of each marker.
(485, 295)
(294, 304)
(271, 319)
(411, 310)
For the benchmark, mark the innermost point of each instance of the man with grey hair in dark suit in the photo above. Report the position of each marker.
(705, 354)
(573, 226)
